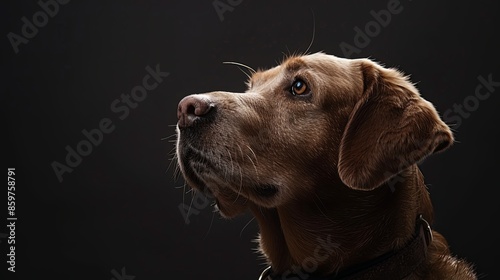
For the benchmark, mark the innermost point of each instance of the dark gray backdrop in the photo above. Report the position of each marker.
(117, 214)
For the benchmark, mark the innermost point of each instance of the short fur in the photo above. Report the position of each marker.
(338, 163)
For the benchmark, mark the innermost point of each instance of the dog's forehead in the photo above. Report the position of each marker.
(323, 61)
(317, 61)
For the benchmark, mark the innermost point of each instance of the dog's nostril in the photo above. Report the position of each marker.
(192, 107)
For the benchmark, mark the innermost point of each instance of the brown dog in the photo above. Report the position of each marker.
(323, 151)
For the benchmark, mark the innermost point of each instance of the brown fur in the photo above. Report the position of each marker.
(338, 163)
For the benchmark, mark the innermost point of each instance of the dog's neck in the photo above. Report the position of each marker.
(352, 228)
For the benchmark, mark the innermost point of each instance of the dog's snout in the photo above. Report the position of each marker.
(191, 108)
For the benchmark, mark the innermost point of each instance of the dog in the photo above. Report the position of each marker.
(323, 151)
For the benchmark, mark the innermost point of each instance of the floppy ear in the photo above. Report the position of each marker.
(390, 129)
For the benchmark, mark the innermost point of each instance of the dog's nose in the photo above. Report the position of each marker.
(191, 108)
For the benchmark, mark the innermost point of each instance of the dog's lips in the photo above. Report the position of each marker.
(205, 174)
(192, 165)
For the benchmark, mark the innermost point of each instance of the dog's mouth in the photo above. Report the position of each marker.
(210, 176)
(210, 181)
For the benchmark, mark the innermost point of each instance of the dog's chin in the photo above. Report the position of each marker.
(230, 203)
(230, 198)
(229, 210)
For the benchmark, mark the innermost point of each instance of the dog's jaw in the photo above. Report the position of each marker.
(352, 227)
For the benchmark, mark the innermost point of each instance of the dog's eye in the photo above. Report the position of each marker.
(299, 87)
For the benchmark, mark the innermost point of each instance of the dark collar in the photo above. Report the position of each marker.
(392, 265)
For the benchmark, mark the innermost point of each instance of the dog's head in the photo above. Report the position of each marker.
(313, 120)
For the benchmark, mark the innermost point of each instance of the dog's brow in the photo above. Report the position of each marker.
(294, 64)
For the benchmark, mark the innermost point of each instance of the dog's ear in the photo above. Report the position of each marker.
(390, 128)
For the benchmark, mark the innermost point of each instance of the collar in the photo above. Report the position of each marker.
(392, 265)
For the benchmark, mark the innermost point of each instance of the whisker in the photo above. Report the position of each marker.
(313, 34)
(240, 185)
(164, 138)
(253, 153)
(244, 72)
(210, 226)
(178, 187)
(173, 159)
(254, 166)
(190, 204)
(241, 232)
(177, 172)
(172, 153)
(183, 193)
(240, 64)
(241, 175)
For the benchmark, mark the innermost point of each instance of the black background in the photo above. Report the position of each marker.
(119, 208)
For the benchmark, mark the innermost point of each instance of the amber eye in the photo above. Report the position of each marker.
(299, 87)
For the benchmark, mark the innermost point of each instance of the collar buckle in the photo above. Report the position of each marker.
(425, 230)
(266, 274)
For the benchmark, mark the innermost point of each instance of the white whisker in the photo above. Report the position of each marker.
(241, 176)
(190, 204)
(183, 193)
(254, 166)
(313, 34)
(240, 64)
(210, 226)
(241, 232)
(181, 186)
(253, 153)
(173, 159)
(165, 138)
